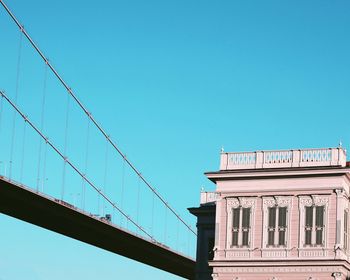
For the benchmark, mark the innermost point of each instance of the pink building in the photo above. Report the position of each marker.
(276, 215)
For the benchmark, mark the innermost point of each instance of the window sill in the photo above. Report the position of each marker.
(239, 247)
(314, 251)
(311, 246)
(276, 247)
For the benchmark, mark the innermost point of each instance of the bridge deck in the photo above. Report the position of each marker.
(24, 204)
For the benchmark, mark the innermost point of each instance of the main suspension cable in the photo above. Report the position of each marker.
(98, 126)
(88, 181)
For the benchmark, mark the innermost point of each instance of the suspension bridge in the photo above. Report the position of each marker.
(60, 170)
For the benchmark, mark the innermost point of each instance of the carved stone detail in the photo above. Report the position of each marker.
(269, 201)
(274, 253)
(284, 200)
(337, 275)
(312, 253)
(276, 269)
(247, 202)
(237, 254)
(305, 201)
(232, 202)
(320, 200)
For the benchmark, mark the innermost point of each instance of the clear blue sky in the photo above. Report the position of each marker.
(173, 82)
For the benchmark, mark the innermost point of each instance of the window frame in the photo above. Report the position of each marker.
(313, 202)
(273, 231)
(241, 229)
(240, 203)
(314, 227)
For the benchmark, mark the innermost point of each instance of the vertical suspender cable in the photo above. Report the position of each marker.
(98, 203)
(83, 191)
(152, 215)
(105, 178)
(23, 149)
(43, 102)
(122, 192)
(41, 128)
(44, 168)
(177, 235)
(65, 148)
(138, 200)
(16, 98)
(1, 106)
(38, 167)
(165, 225)
(188, 242)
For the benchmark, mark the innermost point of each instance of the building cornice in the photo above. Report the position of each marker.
(277, 173)
(279, 263)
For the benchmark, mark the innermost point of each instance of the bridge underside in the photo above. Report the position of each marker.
(33, 208)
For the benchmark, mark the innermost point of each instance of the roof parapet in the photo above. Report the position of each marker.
(208, 197)
(283, 159)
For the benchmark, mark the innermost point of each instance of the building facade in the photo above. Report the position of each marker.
(276, 215)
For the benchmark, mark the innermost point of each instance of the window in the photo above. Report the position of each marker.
(235, 226)
(346, 237)
(314, 225)
(240, 227)
(319, 225)
(277, 226)
(308, 224)
(245, 226)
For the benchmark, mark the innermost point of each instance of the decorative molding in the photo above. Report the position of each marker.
(276, 269)
(313, 253)
(284, 201)
(269, 201)
(339, 192)
(320, 200)
(232, 202)
(238, 253)
(305, 201)
(247, 202)
(274, 253)
(337, 275)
